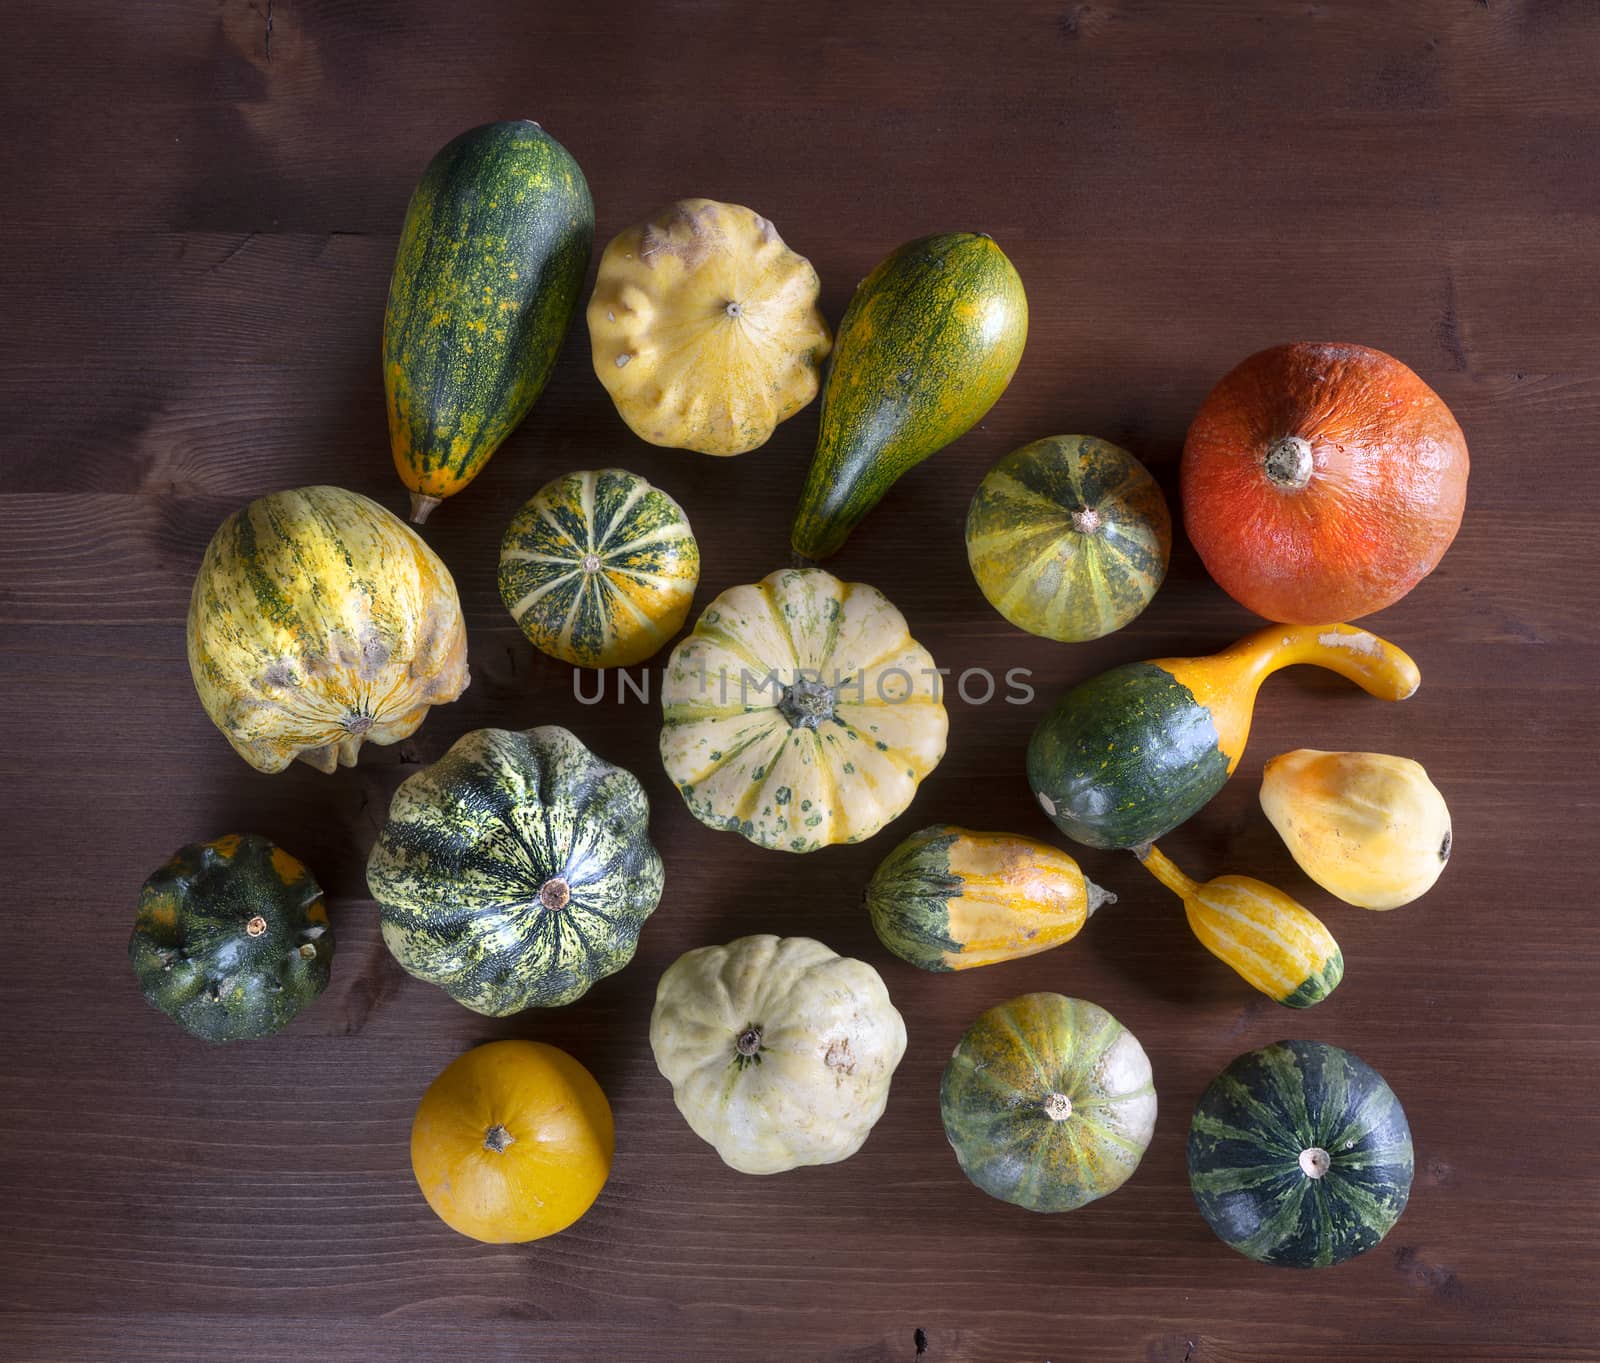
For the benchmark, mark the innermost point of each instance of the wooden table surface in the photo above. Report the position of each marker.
(205, 199)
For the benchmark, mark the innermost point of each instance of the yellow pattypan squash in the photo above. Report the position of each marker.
(705, 328)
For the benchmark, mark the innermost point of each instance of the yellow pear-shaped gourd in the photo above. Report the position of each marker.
(1371, 829)
(705, 328)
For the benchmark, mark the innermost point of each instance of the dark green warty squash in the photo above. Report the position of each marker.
(516, 870)
(232, 938)
(1300, 1155)
(1048, 1102)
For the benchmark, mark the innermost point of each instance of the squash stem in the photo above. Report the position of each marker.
(1152, 859)
(1097, 895)
(422, 506)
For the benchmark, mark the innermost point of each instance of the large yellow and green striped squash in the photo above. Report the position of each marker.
(800, 712)
(598, 568)
(320, 621)
(1069, 537)
(516, 870)
(1272, 942)
(1048, 1102)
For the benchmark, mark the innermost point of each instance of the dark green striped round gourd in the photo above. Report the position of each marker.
(516, 870)
(232, 938)
(492, 256)
(1300, 1155)
(927, 346)
(599, 568)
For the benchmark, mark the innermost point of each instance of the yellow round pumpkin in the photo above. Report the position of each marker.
(320, 621)
(512, 1142)
(705, 328)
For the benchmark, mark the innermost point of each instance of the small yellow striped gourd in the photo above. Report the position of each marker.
(1274, 943)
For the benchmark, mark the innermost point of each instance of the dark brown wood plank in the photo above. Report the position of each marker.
(197, 248)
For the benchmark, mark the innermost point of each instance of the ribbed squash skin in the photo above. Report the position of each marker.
(705, 329)
(1245, 1148)
(320, 621)
(1272, 942)
(232, 938)
(1124, 758)
(1069, 537)
(599, 568)
(778, 1049)
(929, 342)
(492, 257)
(950, 899)
(516, 870)
(1012, 1069)
(800, 712)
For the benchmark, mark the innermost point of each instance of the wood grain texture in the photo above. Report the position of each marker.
(198, 243)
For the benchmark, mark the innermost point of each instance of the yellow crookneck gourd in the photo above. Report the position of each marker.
(1272, 942)
(1127, 756)
(1370, 829)
(705, 329)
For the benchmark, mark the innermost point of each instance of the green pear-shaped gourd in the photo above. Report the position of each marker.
(927, 345)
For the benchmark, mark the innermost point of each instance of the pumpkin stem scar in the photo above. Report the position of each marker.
(1288, 462)
(1057, 1106)
(749, 1041)
(806, 703)
(498, 1139)
(358, 724)
(591, 563)
(735, 309)
(555, 893)
(1086, 520)
(256, 926)
(1314, 1161)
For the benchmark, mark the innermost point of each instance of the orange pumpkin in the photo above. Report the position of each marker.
(1322, 482)
(512, 1142)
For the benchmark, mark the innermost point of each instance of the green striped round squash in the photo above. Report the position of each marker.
(516, 870)
(1069, 537)
(1300, 1155)
(491, 261)
(232, 938)
(1048, 1102)
(599, 568)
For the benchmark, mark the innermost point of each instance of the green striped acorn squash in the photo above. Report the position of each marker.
(516, 870)
(1069, 537)
(950, 899)
(1048, 1102)
(492, 258)
(1300, 1155)
(232, 938)
(927, 346)
(319, 621)
(599, 568)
